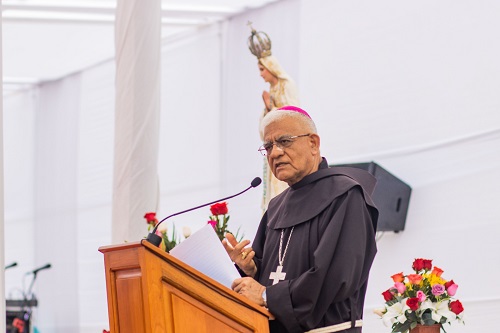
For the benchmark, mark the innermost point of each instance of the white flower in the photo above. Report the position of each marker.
(186, 231)
(379, 311)
(438, 310)
(162, 228)
(427, 304)
(396, 312)
(443, 310)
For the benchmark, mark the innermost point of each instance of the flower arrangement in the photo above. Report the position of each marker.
(219, 220)
(167, 243)
(423, 298)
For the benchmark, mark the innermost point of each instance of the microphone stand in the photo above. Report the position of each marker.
(26, 307)
(28, 304)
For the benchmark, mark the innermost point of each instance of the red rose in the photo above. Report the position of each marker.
(456, 307)
(219, 208)
(151, 218)
(418, 265)
(427, 264)
(387, 295)
(399, 277)
(412, 303)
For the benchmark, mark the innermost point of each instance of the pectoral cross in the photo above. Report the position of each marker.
(278, 275)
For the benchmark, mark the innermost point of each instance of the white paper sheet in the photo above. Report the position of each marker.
(204, 252)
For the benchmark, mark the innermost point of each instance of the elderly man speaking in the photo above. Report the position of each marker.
(310, 259)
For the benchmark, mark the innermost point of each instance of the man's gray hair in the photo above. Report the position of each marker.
(276, 115)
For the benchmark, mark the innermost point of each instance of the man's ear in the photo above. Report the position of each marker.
(314, 141)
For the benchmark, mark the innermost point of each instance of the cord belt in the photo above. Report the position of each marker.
(336, 328)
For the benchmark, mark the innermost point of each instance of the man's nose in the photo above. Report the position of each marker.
(276, 151)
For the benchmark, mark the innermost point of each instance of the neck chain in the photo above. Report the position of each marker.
(279, 275)
(280, 258)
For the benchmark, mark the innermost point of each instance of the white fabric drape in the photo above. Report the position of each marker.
(2, 250)
(135, 180)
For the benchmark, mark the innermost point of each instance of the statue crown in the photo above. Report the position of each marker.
(259, 43)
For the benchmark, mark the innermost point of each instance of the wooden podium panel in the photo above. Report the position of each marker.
(149, 291)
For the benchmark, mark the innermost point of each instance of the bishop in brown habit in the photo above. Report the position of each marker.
(310, 259)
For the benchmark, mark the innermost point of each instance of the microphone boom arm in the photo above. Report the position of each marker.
(156, 240)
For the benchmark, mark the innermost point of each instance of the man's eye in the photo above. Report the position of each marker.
(268, 146)
(284, 142)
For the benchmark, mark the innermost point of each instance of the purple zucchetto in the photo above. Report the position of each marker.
(295, 109)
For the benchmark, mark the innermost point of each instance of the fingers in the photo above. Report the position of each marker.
(240, 246)
(242, 284)
(247, 255)
(240, 254)
(227, 246)
(234, 243)
(249, 288)
(231, 239)
(236, 284)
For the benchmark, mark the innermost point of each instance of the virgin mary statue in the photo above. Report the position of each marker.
(282, 92)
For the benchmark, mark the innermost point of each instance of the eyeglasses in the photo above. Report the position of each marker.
(281, 143)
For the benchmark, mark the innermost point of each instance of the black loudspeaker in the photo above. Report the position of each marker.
(391, 196)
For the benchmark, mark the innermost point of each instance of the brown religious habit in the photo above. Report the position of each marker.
(314, 249)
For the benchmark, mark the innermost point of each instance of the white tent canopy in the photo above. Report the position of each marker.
(411, 86)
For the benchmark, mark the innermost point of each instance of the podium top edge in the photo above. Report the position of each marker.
(123, 246)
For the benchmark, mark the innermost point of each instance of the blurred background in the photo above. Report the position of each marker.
(412, 86)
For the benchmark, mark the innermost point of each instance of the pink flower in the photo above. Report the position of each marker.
(400, 287)
(421, 296)
(452, 289)
(213, 223)
(438, 289)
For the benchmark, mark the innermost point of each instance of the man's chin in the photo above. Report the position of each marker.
(281, 176)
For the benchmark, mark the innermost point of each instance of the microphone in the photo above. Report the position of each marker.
(154, 239)
(14, 264)
(36, 270)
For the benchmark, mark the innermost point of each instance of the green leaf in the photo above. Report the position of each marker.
(405, 327)
(401, 328)
(411, 316)
(427, 318)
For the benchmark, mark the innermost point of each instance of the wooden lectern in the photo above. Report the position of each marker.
(149, 291)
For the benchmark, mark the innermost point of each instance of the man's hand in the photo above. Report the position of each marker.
(249, 288)
(240, 255)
